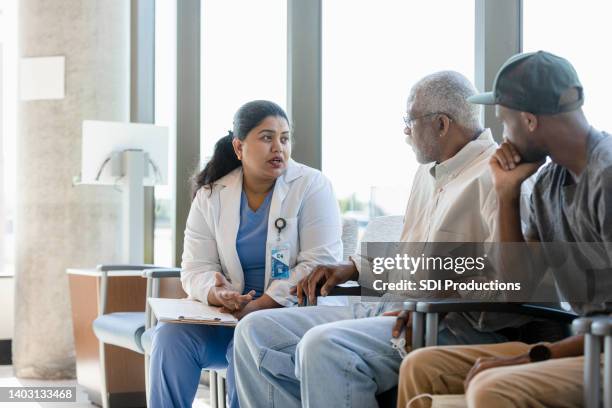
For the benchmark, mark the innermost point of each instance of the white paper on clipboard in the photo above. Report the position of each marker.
(189, 311)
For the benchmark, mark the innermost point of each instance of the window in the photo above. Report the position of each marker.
(244, 57)
(165, 115)
(579, 31)
(8, 130)
(372, 54)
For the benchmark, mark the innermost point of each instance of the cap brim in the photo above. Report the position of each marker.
(486, 98)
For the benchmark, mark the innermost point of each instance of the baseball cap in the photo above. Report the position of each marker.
(534, 82)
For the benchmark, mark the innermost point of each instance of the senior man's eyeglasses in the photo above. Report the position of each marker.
(410, 121)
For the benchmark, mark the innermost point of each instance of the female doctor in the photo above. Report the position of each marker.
(252, 203)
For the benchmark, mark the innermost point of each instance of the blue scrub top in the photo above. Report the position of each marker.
(251, 243)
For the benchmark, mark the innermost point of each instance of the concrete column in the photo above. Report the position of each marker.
(58, 225)
(2, 165)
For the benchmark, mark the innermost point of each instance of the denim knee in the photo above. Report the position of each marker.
(256, 325)
(317, 339)
(245, 330)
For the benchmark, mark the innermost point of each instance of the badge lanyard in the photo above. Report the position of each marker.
(281, 253)
(280, 225)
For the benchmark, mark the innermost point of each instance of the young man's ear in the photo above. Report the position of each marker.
(530, 121)
(237, 144)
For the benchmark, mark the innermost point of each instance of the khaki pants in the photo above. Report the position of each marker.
(442, 370)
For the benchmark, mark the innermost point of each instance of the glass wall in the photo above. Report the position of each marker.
(8, 132)
(373, 52)
(165, 115)
(581, 32)
(244, 57)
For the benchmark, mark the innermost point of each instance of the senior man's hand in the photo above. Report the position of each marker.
(403, 321)
(327, 275)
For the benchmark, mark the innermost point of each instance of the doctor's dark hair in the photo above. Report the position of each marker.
(224, 160)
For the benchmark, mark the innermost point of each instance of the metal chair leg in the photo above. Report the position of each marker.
(608, 372)
(602, 328)
(147, 362)
(431, 329)
(214, 399)
(592, 380)
(221, 391)
(417, 330)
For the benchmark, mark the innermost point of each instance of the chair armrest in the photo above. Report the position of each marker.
(343, 291)
(153, 276)
(104, 269)
(162, 273)
(124, 267)
(519, 308)
(547, 312)
(350, 288)
(583, 325)
(602, 326)
(433, 309)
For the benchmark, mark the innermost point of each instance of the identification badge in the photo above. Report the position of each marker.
(281, 254)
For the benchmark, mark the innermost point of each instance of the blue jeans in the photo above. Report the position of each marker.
(180, 353)
(322, 356)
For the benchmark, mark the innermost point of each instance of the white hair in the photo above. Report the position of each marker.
(447, 91)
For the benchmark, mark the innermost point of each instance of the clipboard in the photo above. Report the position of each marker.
(189, 311)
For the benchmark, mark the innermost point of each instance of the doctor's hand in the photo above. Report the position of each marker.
(327, 275)
(263, 302)
(222, 294)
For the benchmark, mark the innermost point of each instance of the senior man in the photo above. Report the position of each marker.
(539, 98)
(323, 356)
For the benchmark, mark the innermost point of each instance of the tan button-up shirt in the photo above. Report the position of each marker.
(454, 201)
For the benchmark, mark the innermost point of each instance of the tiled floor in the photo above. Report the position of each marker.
(7, 379)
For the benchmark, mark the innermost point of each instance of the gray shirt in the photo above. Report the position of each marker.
(567, 209)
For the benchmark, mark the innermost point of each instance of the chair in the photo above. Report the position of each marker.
(426, 318)
(433, 309)
(594, 330)
(122, 329)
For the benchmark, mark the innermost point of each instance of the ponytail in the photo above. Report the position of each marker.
(223, 161)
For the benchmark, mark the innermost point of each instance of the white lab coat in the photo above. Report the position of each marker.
(302, 196)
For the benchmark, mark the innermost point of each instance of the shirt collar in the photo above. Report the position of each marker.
(452, 167)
